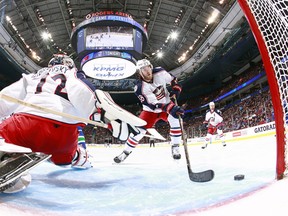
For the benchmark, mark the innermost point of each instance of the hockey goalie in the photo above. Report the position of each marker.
(42, 135)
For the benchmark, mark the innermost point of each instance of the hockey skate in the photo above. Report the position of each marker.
(14, 168)
(175, 151)
(81, 159)
(18, 184)
(204, 146)
(120, 158)
(223, 144)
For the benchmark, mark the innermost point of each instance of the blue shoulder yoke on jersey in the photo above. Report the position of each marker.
(81, 75)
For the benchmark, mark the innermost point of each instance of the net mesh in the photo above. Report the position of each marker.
(272, 19)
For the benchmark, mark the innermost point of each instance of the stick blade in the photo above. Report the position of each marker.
(204, 176)
(155, 134)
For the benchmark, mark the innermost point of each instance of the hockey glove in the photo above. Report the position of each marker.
(121, 130)
(176, 90)
(204, 126)
(171, 109)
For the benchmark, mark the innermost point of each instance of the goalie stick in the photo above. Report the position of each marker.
(155, 134)
(203, 176)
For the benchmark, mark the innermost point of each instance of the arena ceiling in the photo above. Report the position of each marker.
(28, 19)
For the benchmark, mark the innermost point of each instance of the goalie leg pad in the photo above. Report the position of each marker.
(9, 147)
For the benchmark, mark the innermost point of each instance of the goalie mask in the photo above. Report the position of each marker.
(60, 59)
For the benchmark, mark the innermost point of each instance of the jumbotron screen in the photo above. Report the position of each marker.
(109, 31)
(95, 38)
(109, 37)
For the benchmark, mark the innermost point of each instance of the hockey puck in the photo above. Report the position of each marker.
(239, 177)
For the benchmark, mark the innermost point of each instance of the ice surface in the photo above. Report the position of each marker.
(150, 182)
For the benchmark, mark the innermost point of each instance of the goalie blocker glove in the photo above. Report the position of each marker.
(171, 109)
(119, 129)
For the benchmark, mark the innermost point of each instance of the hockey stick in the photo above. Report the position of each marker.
(66, 115)
(203, 176)
(44, 109)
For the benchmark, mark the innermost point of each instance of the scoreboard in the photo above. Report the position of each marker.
(109, 44)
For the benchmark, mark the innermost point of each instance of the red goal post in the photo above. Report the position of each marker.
(268, 20)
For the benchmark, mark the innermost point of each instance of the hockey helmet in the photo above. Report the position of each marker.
(211, 104)
(60, 59)
(143, 63)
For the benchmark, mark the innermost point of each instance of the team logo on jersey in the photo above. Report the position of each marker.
(159, 92)
(141, 98)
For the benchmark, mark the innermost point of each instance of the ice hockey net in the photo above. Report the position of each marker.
(268, 20)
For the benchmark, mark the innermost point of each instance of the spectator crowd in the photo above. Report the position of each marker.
(250, 107)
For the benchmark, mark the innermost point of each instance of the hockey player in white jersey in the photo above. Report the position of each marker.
(214, 121)
(60, 87)
(152, 92)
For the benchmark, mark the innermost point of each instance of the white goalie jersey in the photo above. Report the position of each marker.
(57, 88)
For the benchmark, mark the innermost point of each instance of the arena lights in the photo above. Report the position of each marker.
(160, 54)
(34, 55)
(213, 16)
(210, 20)
(70, 13)
(173, 35)
(46, 35)
(148, 14)
(39, 15)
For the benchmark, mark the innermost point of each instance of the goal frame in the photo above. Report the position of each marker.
(274, 90)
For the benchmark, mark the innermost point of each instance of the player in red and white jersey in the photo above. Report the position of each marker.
(59, 87)
(214, 121)
(151, 90)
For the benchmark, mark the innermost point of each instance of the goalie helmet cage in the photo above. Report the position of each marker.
(268, 20)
